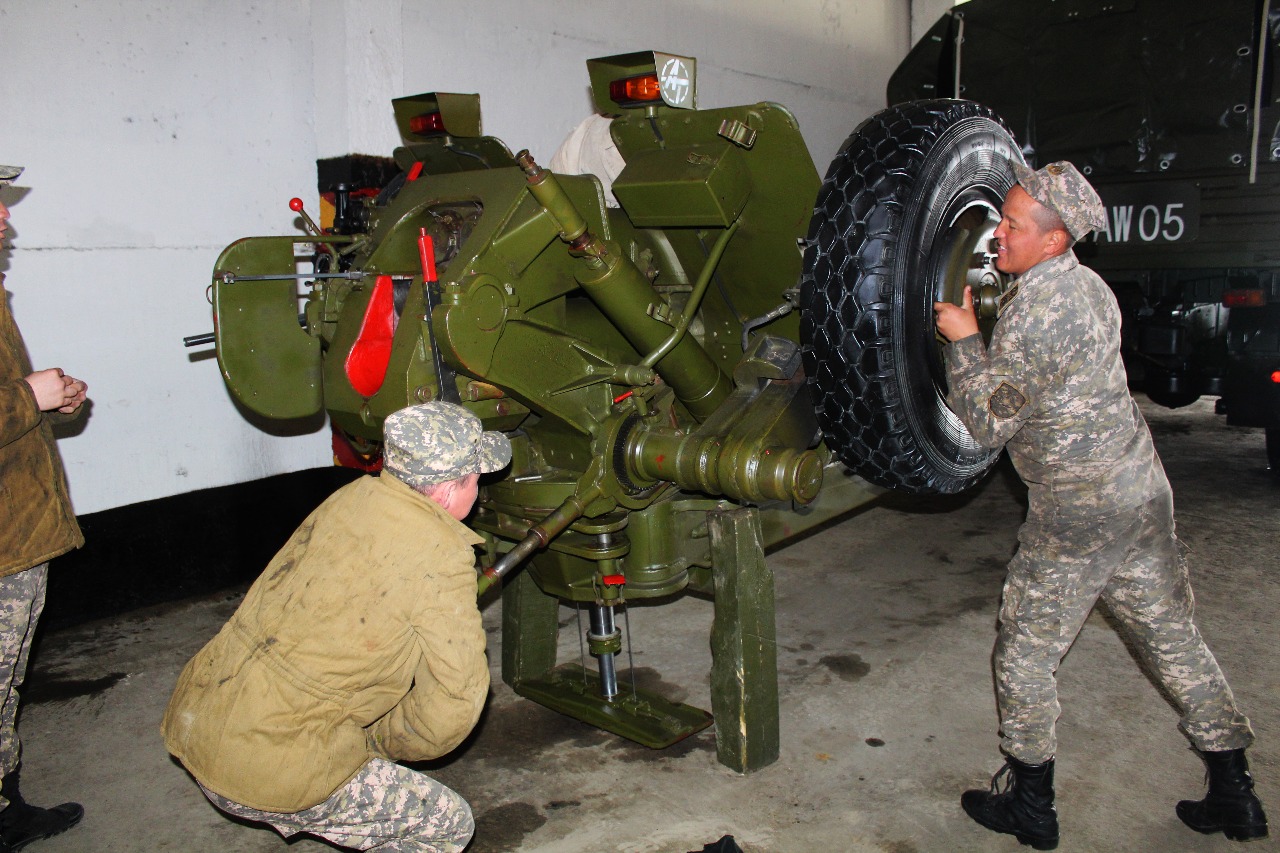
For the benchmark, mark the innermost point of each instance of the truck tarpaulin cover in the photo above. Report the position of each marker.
(1117, 85)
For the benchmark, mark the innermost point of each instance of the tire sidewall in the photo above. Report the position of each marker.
(974, 145)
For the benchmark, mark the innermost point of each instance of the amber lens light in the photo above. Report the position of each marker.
(1250, 298)
(636, 90)
(427, 123)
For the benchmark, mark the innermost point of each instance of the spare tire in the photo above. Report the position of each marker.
(904, 217)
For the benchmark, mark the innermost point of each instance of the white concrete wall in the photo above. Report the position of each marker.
(155, 132)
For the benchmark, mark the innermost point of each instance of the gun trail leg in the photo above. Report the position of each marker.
(744, 650)
(529, 630)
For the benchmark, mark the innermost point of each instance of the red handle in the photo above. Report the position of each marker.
(427, 253)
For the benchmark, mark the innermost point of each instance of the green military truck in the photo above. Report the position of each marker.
(1170, 107)
(736, 353)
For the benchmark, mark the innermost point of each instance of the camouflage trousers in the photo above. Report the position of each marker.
(385, 807)
(1133, 565)
(21, 600)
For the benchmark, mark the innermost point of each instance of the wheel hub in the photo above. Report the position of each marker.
(965, 259)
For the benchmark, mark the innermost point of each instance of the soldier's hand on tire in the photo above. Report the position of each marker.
(956, 322)
(55, 390)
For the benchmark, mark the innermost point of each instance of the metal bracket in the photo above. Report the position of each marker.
(738, 132)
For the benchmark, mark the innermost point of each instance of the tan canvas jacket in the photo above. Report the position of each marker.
(361, 638)
(36, 521)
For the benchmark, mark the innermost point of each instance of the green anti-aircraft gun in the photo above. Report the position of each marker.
(671, 415)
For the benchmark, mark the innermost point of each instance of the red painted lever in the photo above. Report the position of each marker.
(295, 204)
(427, 254)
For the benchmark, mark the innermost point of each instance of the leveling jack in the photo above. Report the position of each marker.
(743, 649)
(593, 697)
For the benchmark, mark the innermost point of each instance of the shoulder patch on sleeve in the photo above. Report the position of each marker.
(1006, 402)
(1007, 297)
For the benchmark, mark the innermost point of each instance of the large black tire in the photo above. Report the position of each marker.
(903, 219)
(1168, 390)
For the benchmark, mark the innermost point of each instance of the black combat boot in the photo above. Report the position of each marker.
(1231, 806)
(21, 823)
(1023, 809)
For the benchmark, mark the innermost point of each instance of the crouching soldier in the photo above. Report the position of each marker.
(358, 646)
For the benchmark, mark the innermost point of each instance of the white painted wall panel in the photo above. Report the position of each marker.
(153, 133)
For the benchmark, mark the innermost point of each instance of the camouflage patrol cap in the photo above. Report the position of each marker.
(1061, 188)
(437, 442)
(9, 173)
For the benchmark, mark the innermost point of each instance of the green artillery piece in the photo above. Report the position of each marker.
(669, 417)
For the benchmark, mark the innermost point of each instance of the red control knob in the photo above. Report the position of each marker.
(295, 204)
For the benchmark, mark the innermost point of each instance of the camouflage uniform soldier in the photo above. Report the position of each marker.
(1051, 388)
(359, 645)
(38, 525)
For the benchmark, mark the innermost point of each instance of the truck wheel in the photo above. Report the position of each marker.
(1167, 389)
(904, 217)
(1171, 399)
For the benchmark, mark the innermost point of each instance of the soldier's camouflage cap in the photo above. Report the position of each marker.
(1061, 188)
(437, 442)
(9, 173)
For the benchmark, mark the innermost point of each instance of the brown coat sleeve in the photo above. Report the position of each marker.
(452, 676)
(38, 520)
(18, 412)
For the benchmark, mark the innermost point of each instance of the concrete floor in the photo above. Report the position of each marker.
(885, 627)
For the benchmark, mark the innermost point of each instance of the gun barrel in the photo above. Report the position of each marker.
(622, 292)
